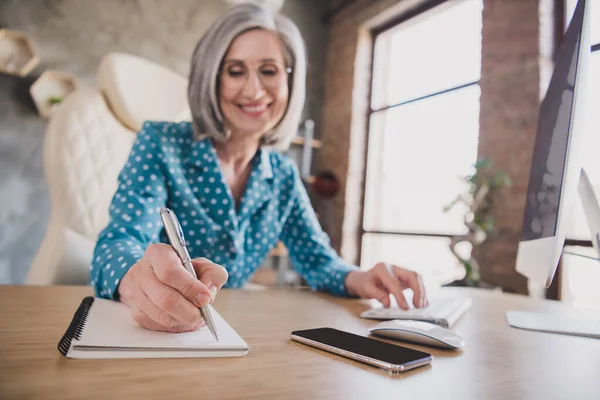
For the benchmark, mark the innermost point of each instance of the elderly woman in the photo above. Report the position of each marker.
(235, 196)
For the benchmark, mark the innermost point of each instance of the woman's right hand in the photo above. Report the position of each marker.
(163, 296)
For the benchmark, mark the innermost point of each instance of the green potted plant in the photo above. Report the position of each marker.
(52, 100)
(481, 185)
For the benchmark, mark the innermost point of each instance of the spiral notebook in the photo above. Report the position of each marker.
(104, 329)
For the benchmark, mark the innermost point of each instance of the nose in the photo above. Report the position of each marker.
(253, 87)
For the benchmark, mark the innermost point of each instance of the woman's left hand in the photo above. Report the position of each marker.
(385, 279)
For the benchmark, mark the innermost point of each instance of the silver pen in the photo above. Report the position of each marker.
(177, 240)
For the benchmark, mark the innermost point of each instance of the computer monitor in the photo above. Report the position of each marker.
(556, 174)
(556, 161)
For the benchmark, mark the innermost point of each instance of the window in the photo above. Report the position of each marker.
(580, 275)
(423, 136)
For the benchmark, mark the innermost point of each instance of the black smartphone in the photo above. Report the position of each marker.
(384, 355)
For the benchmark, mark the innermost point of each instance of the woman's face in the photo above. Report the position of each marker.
(254, 83)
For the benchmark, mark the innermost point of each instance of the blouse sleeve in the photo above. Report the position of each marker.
(309, 247)
(134, 215)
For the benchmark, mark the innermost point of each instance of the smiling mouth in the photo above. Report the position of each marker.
(254, 109)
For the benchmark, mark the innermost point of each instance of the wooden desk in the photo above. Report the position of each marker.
(498, 363)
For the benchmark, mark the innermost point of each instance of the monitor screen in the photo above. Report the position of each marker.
(552, 139)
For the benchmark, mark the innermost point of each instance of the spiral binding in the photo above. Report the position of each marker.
(75, 329)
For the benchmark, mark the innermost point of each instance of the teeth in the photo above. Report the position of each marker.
(254, 109)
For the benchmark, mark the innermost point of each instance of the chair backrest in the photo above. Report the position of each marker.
(85, 149)
(138, 90)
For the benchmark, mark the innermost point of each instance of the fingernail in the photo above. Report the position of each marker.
(202, 300)
(213, 291)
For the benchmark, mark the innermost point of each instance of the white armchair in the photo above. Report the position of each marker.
(87, 142)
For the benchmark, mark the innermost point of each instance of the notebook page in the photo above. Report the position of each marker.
(109, 324)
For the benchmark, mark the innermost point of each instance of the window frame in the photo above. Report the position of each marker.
(375, 32)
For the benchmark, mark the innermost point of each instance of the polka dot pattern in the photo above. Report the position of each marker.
(167, 167)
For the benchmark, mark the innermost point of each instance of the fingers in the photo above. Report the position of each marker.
(163, 295)
(413, 281)
(372, 291)
(212, 275)
(391, 284)
(149, 309)
(168, 269)
(164, 304)
(145, 321)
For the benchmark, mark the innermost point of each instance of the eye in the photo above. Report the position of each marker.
(236, 72)
(269, 71)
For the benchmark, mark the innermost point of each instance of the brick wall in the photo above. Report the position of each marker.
(510, 97)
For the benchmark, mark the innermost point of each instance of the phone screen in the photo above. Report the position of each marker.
(364, 346)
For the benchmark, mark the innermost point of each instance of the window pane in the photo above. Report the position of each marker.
(430, 256)
(417, 154)
(429, 53)
(589, 158)
(580, 277)
(594, 7)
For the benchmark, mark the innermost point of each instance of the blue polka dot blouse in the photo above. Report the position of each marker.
(167, 167)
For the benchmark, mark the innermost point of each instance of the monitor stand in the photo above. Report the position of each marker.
(567, 325)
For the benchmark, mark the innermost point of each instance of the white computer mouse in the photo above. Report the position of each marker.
(419, 332)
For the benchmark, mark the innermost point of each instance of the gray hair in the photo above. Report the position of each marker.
(207, 119)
